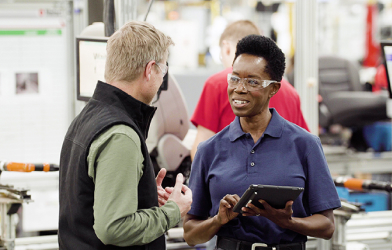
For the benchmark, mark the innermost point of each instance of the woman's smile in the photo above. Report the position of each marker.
(239, 103)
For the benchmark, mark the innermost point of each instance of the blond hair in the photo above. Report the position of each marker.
(238, 30)
(130, 48)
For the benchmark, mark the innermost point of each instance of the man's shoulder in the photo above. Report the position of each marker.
(286, 87)
(121, 130)
(219, 79)
(287, 94)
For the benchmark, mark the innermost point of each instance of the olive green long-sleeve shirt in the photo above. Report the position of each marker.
(115, 165)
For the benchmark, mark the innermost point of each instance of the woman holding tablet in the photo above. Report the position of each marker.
(259, 147)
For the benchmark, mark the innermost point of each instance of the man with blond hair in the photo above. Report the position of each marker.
(213, 111)
(109, 197)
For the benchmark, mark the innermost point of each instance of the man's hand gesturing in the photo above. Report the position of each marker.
(183, 200)
(162, 194)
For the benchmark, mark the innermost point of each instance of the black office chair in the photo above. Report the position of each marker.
(344, 100)
(168, 128)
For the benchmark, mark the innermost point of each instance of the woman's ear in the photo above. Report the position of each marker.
(275, 88)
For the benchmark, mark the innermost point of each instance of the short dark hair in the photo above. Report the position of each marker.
(265, 47)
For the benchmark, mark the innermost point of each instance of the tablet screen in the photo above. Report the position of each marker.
(276, 196)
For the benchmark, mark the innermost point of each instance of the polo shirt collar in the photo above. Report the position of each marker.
(274, 128)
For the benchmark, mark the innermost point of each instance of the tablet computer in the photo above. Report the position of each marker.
(276, 196)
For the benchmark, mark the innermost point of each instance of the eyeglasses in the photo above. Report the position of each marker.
(248, 83)
(163, 67)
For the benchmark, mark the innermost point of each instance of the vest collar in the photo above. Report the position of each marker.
(140, 112)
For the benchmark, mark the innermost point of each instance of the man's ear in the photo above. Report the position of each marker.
(148, 70)
(225, 47)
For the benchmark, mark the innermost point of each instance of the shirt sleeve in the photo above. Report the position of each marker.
(321, 190)
(207, 107)
(115, 165)
(201, 200)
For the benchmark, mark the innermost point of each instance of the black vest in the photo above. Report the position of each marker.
(108, 106)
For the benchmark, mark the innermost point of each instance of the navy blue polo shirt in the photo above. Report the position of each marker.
(286, 155)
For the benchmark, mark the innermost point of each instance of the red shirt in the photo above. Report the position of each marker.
(213, 111)
(380, 80)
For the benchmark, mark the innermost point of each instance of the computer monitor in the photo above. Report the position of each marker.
(90, 65)
(386, 47)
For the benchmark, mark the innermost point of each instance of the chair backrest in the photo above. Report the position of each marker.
(337, 74)
(171, 116)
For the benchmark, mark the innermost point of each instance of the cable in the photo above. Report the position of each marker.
(109, 17)
(148, 10)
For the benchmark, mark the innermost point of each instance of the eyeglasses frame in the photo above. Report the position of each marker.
(165, 67)
(263, 85)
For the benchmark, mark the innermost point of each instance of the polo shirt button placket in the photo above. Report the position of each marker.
(252, 164)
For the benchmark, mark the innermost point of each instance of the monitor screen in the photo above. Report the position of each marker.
(387, 56)
(90, 65)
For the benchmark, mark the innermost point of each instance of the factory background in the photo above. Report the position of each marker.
(40, 95)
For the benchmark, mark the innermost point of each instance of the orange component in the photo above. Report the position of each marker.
(46, 167)
(20, 167)
(355, 184)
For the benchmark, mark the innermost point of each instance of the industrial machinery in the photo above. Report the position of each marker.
(353, 225)
(12, 198)
(362, 185)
